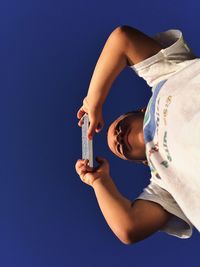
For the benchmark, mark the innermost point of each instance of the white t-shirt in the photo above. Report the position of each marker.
(172, 132)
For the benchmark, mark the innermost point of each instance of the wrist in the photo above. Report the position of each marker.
(100, 181)
(94, 102)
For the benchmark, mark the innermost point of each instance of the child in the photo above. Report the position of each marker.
(157, 136)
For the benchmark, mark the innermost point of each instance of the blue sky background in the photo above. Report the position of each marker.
(48, 51)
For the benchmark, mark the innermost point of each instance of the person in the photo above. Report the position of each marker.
(164, 135)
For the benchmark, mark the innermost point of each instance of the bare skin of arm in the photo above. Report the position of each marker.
(149, 216)
(129, 221)
(125, 46)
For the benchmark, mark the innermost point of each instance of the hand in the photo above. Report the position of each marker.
(94, 115)
(89, 175)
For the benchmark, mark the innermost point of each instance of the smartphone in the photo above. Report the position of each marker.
(87, 145)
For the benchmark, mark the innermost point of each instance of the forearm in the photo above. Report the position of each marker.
(125, 46)
(110, 63)
(115, 208)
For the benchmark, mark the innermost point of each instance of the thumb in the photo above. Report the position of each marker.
(80, 113)
(103, 165)
(91, 129)
(99, 127)
(101, 160)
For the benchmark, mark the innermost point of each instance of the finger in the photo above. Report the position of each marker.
(99, 127)
(101, 160)
(91, 130)
(81, 121)
(85, 162)
(80, 113)
(82, 171)
(86, 165)
(78, 164)
(89, 169)
(83, 168)
(82, 174)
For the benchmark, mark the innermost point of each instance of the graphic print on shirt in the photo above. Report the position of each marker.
(165, 163)
(151, 127)
(169, 158)
(165, 110)
(150, 163)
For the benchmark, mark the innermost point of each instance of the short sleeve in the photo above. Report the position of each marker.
(173, 57)
(178, 225)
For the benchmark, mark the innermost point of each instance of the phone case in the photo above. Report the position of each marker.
(87, 145)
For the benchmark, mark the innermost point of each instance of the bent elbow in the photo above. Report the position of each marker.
(126, 242)
(123, 28)
(127, 238)
(122, 32)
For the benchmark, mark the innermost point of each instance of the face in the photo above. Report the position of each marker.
(125, 137)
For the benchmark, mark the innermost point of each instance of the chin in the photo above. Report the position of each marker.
(137, 159)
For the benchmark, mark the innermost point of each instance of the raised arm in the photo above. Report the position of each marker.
(125, 46)
(130, 222)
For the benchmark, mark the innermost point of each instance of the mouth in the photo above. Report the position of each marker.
(126, 140)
